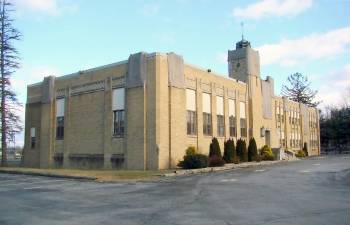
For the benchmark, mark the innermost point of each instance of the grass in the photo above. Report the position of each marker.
(98, 175)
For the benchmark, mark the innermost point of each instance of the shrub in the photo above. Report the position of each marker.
(214, 148)
(266, 154)
(242, 152)
(300, 154)
(194, 161)
(191, 150)
(216, 161)
(229, 151)
(306, 153)
(252, 151)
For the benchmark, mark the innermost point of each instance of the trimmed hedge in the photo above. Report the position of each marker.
(229, 151)
(252, 151)
(242, 152)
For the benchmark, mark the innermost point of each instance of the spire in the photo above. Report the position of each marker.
(243, 43)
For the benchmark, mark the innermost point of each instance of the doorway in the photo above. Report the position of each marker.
(267, 138)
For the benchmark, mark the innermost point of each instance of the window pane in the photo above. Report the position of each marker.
(118, 99)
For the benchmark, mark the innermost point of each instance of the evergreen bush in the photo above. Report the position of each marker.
(300, 154)
(229, 151)
(252, 151)
(266, 154)
(191, 150)
(193, 160)
(216, 161)
(214, 148)
(242, 152)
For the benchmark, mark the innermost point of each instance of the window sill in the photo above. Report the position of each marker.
(59, 139)
(192, 135)
(118, 136)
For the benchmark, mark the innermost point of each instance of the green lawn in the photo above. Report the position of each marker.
(98, 175)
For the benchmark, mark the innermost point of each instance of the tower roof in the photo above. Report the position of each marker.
(243, 44)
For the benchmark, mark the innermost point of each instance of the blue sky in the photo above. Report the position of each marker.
(309, 36)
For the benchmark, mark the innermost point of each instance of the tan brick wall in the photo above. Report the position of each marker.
(155, 117)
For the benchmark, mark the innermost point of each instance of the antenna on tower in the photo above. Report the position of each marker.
(242, 30)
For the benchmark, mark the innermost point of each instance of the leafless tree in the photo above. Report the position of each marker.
(298, 89)
(9, 63)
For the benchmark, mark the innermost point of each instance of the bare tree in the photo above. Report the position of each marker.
(9, 63)
(298, 90)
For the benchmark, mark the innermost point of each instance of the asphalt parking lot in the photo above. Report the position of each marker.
(312, 191)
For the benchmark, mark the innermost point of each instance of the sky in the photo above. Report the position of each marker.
(65, 36)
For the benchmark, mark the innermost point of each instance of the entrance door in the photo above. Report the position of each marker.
(267, 138)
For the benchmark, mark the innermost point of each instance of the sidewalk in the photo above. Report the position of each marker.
(228, 166)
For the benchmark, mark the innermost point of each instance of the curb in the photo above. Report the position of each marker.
(49, 175)
(229, 166)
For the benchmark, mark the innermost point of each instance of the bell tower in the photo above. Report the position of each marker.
(243, 61)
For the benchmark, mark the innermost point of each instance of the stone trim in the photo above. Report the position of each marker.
(88, 88)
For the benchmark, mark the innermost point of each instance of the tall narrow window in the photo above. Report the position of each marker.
(60, 119)
(243, 119)
(220, 116)
(32, 137)
(118, 107)
(191, 112)
(206, 114)
(232, 117)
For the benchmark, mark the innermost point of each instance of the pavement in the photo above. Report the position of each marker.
(303, 192)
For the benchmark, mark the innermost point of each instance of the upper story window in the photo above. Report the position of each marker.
(243, 120)
(220, 116)
(232, 117)
(191, 112)
(118, 107)
(32, 137)
(207, 123)
(60, 118)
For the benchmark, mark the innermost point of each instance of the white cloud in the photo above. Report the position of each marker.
(269, 8)
(312, 47)
(335, 91)
(50, 7)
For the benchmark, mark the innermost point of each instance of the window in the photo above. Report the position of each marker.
(59, 127)
(243, 120)
(32, 137)
(207, 114)
(118, 106)
(191, 112)
(60, 119)
(118, 122)
(232, 117)
(220, 116)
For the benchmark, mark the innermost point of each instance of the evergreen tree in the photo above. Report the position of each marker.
(305, 149)
(9, 62)
(298, 90)
(242, 152)
(214, 148)
(229, 151)
(252, 150)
